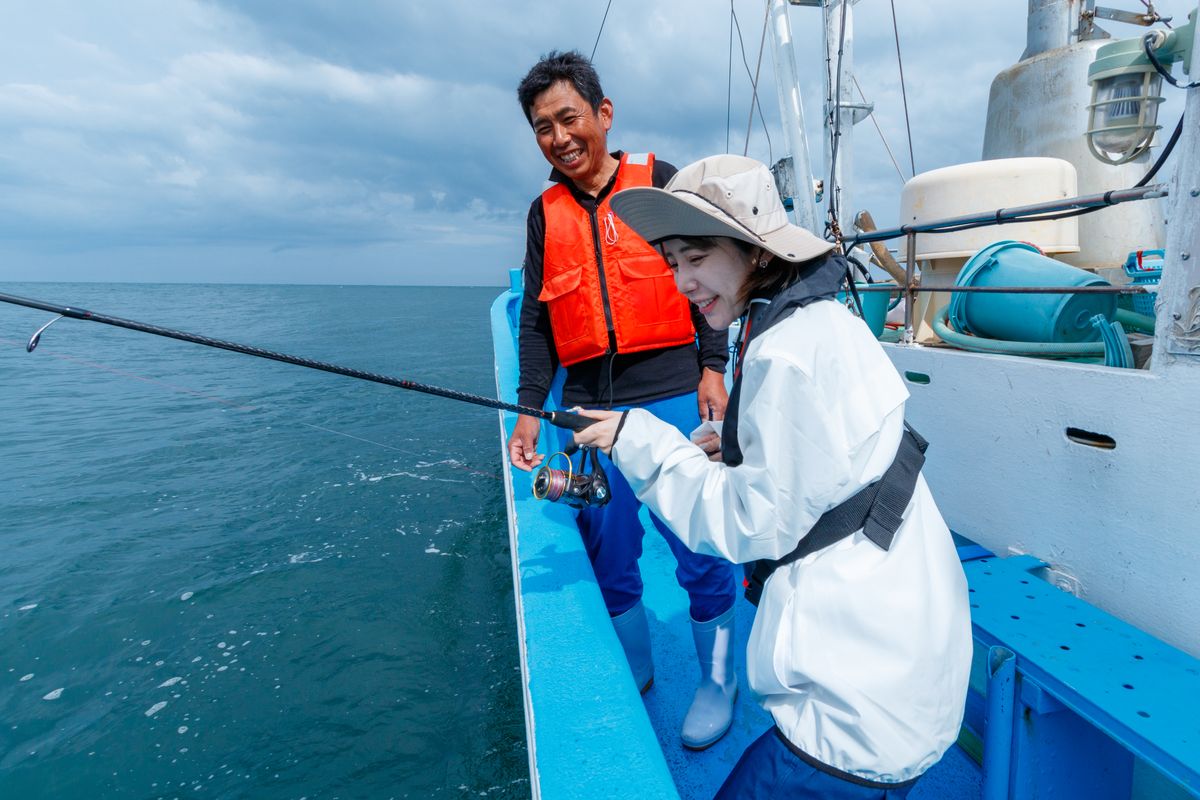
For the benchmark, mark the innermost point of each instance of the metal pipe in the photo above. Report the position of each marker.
(791, 105)
(1125, 289)
(998, 722)
(1001, 215)
(910, 272)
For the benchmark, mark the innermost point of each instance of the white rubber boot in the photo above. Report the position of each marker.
(634, 633)
(712, 708)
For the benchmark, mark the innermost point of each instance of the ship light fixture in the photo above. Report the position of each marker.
(1127, 90)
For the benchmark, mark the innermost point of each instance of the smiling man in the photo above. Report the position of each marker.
(602, 303)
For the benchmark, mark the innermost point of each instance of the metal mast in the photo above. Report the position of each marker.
(791, 108)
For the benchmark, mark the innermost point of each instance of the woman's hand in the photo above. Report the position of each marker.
(711, 445)
(601, 434)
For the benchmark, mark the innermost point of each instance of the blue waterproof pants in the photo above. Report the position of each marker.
(612, 536)
(768, 769)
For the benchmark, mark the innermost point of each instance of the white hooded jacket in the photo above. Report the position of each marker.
(861, 655)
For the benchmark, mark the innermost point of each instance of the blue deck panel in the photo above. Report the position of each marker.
(1141, 692)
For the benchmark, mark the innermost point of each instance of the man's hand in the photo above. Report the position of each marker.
(711, 394)
(601, 434)
(522, 445)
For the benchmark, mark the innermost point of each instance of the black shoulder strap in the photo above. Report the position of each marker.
(877, 510)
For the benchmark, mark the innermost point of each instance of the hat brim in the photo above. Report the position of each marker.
(656, 215)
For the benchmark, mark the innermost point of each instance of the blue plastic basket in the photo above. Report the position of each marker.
(1144, 268)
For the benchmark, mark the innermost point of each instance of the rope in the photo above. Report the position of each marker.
(597, 44)
(903, 92)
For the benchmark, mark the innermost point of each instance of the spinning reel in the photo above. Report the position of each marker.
(576, 488)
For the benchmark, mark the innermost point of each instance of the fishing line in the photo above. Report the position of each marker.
(352, 436)
(231, 404)
(562, 419)
(145, 379)
(445, 462)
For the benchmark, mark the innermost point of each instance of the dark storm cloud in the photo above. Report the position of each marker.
(385, 137)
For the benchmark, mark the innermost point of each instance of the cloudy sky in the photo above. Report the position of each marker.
(380, 142)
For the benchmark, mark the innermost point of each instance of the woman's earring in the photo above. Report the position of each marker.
(762, 262)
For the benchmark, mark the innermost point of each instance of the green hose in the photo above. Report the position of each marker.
(978, 344)
(1135, 322)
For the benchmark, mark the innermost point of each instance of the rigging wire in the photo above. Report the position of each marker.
(903, 92)
(729, 80)
(754, 103)
(762, 41)
(605, 19)
(879, 130)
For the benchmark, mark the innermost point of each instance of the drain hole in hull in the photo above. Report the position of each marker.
(1080, 436)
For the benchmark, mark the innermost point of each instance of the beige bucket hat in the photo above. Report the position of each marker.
(724, 195)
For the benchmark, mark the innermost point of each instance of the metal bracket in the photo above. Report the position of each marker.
(860, 111)
(1145, 20)
(1088, 29)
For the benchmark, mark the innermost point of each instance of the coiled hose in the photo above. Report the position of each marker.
(978, 344)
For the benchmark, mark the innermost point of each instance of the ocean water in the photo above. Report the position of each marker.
(224, 577)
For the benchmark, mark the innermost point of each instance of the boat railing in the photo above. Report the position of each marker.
(1035, 212)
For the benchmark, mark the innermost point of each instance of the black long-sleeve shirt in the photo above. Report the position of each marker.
(619, 378)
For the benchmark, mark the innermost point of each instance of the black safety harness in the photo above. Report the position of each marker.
(878, 509)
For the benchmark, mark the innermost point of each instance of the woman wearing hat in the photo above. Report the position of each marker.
(861, 646)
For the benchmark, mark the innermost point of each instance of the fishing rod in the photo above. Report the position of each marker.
(562, 419)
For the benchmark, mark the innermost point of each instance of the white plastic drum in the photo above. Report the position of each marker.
(984, 186)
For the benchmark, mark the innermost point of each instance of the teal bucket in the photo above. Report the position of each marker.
(874, 306)
(1027, 317)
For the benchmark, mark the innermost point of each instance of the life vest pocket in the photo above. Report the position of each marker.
(650, 286)
(559, 293)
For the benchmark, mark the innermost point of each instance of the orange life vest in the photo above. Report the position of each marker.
(599, 276)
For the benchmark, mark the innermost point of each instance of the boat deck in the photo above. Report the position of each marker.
(1070, 701)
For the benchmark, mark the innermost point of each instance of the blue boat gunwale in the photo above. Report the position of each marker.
(581, 705)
